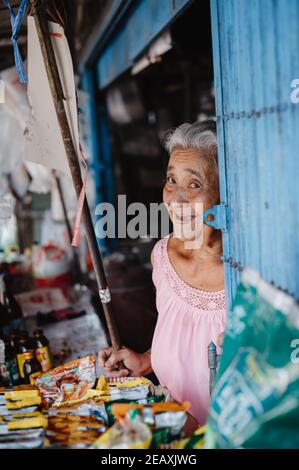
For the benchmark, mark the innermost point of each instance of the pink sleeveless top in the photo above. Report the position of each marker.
(188, 320)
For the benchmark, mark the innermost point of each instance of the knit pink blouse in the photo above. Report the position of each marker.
(188, 320)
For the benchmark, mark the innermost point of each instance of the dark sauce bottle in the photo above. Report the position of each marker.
(31, 365)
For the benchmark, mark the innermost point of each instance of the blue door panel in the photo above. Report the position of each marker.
(255, 52)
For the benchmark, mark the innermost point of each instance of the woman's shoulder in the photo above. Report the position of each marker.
(159, 260)
(159, 250)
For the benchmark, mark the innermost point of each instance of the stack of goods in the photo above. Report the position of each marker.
(21, 424)
(144, 426)
(20, 355)
(74, 419)
(67, 407)
(76, 426)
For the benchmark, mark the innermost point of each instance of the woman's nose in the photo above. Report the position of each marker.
(179, 196)
(179, 200)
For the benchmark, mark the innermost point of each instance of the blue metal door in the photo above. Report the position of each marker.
(255, 53)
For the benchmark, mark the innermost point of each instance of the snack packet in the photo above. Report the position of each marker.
(142, 401)
(129, 432)
(169, 415)
(194, 442)
(130, 388)
(22, 430)
(67, 382)
(76, 426)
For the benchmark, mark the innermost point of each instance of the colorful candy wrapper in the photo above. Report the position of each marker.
(68, 382)
(128, 433)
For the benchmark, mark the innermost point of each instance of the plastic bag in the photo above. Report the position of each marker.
(128, 433)
(67, 382)
(170, 415)
(51, 266)
(255, 403)
(129, 388)
(76, 426)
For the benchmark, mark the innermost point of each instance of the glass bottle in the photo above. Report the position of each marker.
(42, 349)
(13, 308)
(24, 345)
(9, 370)
(31, 365)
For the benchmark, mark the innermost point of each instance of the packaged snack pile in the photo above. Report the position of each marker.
(21, 424)
(67, 407)
(76, 426)
(144, 425)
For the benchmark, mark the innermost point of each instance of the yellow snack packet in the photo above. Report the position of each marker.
(102, 384)
(15, 405)
(130, 382)
(32, 414)
(28, 423)
(34, 376)
(196, 441)
(127, 382)
(201, 430)
(15, 395)
(90, 394)
(130, 435)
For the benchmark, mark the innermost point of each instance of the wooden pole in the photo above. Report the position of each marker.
(76, 261)
(58, 99)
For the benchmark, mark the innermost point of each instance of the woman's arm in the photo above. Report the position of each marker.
(136, 364)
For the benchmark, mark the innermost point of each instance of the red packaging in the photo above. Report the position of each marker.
(67, 382)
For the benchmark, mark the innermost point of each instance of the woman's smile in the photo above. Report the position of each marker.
(183, 218)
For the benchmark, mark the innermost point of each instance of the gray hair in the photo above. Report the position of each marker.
(200, 135)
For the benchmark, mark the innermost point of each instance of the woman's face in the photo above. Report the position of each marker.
(191, 178)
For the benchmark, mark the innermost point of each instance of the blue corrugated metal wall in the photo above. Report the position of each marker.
(146, 20)
(255, 49)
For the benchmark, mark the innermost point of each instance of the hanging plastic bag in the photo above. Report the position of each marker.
(51, 266)
(8, 223)
(255, 403)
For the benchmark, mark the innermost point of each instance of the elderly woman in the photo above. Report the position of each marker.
(189, 280)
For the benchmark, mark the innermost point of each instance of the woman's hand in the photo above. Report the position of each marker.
(135, 364)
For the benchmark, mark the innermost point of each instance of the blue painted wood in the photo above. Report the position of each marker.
(146, 20)
(221, 136)
(100, 149)
(255, 53)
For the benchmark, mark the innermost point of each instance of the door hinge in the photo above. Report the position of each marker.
(220, 214)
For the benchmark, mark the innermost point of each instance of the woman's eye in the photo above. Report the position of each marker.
(170, 180)
(195, 185)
